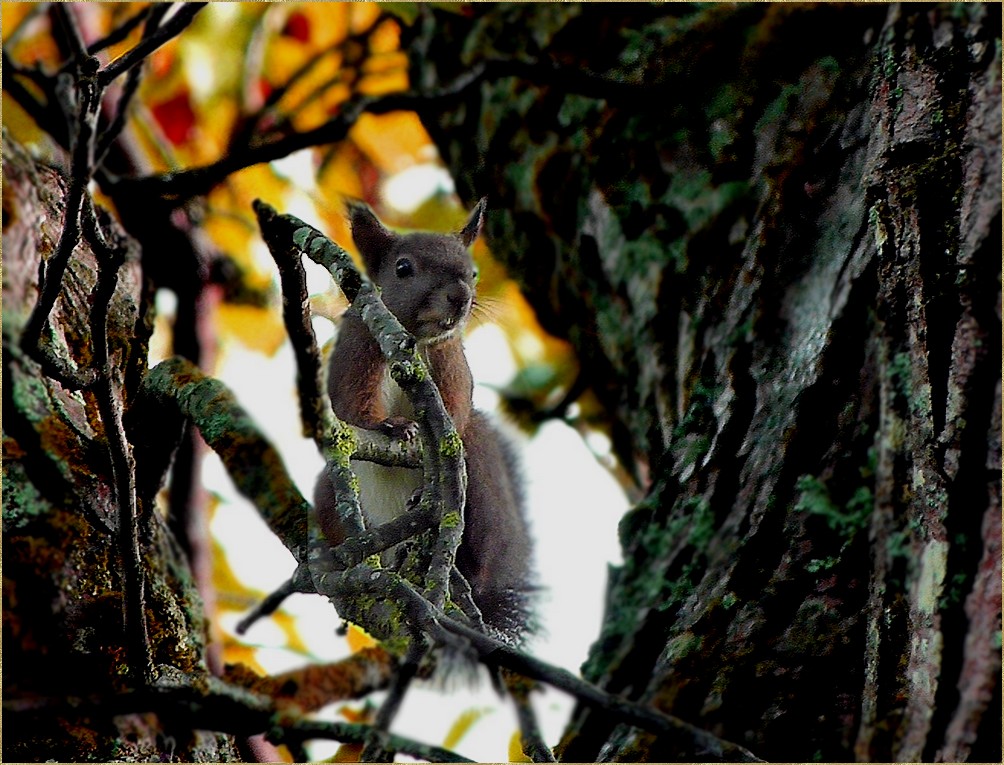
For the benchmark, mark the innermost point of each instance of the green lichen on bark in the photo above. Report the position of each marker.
(451, 445)
(738, 265)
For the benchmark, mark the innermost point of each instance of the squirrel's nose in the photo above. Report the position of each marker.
(459, 298)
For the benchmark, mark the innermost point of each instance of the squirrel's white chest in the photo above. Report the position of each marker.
(385, 491)
(394, 401)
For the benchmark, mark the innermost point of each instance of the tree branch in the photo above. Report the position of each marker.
(177, 390)
(443, 465)
(154, 12)
(110, 405)
(181, 185)
(170, 29)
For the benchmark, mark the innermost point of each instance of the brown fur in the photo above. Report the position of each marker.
(432, 301)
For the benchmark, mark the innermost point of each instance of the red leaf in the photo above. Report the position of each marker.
(297, 27)
(176, 117)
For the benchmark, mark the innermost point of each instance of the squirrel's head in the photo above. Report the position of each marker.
(426, 280)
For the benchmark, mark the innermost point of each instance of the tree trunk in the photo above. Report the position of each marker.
(63, 573)
(771, 234)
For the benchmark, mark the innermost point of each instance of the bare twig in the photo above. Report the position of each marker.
(377, 748)
(153, 19)
(110, 259)
(168, 31)
(183, 184)
(299, 582)
(460, 593)
(353, 733)
(269, 107)
(82, 103)
(68, 23)
(122, 31)
(531, 739)
(296, 316)
(495, 653)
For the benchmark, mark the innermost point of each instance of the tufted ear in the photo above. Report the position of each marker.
(373, 239)
(475, 223)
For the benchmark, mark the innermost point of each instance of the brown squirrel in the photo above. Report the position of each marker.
(427, 281)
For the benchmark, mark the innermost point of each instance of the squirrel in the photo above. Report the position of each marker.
(427, 281)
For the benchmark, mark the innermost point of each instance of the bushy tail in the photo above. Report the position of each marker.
(495, 555)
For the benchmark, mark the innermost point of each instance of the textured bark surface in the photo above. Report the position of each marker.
(771, 234)
(63, 588)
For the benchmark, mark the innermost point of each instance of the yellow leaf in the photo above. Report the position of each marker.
(231, 592)
(288, 624)
(362, 15)
(386, 38)
(380, 83)
(239, 653)
(257, 328)
(394, 141)
(359, 639)
(21, 126)
(361, 714)
(516, 749)
(463, 724)
(347, 753)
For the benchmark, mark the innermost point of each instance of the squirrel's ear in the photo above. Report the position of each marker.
(475, 223)
(372, 238)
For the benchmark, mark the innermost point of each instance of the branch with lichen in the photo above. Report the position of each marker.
(442, 450)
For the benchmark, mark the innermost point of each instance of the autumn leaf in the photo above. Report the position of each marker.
(175, 117)
(463, 724)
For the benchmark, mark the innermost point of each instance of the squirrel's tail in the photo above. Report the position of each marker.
(495, 555)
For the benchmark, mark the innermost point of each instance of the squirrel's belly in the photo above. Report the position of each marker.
(384, 491)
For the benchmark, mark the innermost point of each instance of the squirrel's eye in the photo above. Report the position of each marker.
(404, 268)
(475, 274)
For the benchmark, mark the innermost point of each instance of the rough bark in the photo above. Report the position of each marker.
(771, 234)
(63, 580)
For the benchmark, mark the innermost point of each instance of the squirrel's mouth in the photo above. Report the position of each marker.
(437, 331)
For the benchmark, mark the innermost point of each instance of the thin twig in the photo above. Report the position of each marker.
(377, 748)
(460, 593)
(353, 733)
(83, 105)
(168, 31)
(296, 316)
(496, 653)
(279, 91)
(112, 131)
(122, 31)
(129, 90)
(531, 739)
(47, 114)
(299, 582)
(181, 185)
(68, 23)
(110, 259)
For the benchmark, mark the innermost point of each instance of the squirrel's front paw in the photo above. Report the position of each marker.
(399, 427)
